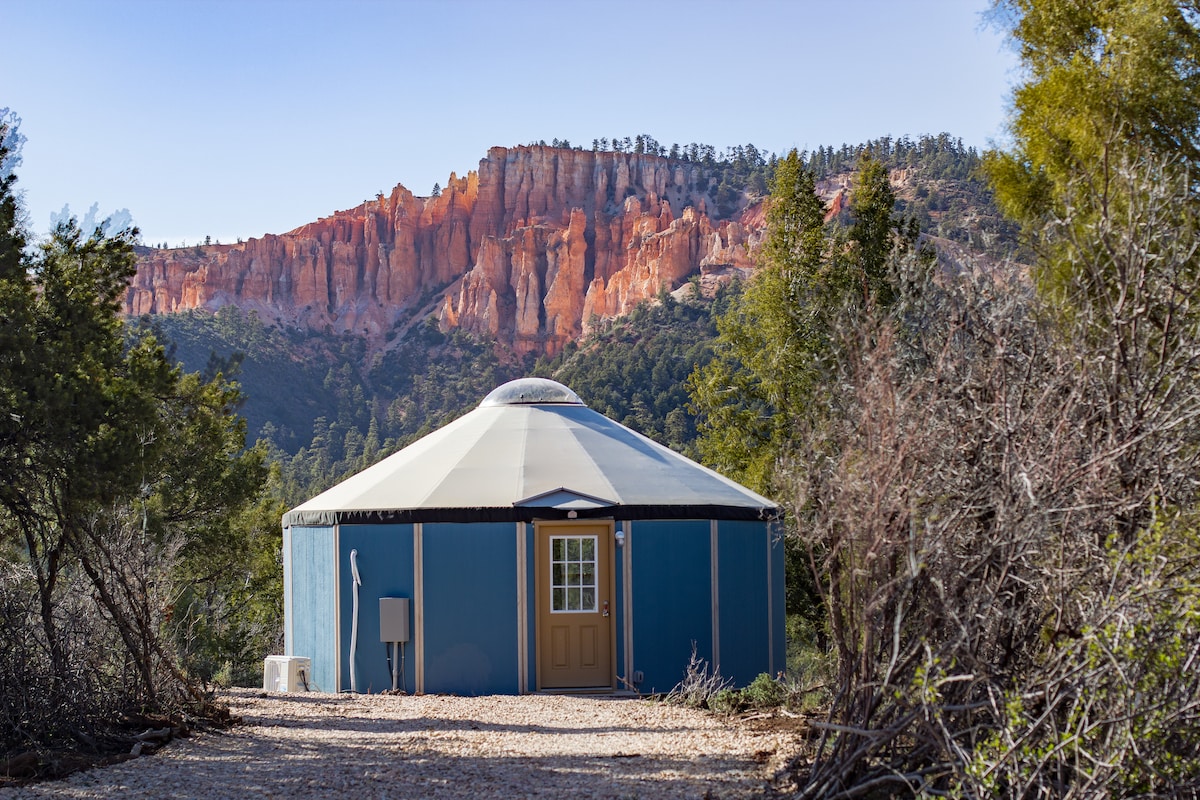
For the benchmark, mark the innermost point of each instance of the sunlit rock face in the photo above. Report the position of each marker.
(530, 250)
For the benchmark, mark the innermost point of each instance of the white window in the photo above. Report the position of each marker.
(572, 573)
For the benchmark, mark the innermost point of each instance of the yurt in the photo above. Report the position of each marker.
(531, 545)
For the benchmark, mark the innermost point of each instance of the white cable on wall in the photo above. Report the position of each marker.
(354, 620)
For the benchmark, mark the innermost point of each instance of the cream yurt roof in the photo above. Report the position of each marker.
(532, 449)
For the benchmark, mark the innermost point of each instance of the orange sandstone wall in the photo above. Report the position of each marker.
(527, 250)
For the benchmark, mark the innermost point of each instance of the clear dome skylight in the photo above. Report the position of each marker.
(530, 391)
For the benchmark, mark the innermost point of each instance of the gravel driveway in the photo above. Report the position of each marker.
(563, 747)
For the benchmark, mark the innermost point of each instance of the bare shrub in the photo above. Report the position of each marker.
(997, 506)
(699, 685)
(130, 571)
(39, 709)
(1117, 706)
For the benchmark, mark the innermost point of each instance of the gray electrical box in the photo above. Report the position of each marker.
(393, 619)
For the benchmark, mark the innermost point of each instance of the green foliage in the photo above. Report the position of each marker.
(228, 613)
(1140, 709)
(121, 481)
(769, 340)
(872, 207)
(963, 554)
(764, 692)
(940, 157)
(729, 173)
(809, 670)
(726, 701)
(1001, 503)
(950, 195)
(1102, 81)
(775, 342)
(1098, 77)
(634, 369)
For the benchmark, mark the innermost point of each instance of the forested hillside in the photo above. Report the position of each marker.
(939, 182)
(326, 405)
(324, 409)
(635, 369)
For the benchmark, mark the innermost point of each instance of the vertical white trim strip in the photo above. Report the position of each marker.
(610, 591)
(627, 566)
(337, 608)
(522, 613)
(419, 609)
(539, 588)
(289, 621)
(714, 576)
(770, 604)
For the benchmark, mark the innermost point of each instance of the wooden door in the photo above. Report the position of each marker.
(575, 605)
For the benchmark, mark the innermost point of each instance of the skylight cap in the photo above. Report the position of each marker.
(531, 391)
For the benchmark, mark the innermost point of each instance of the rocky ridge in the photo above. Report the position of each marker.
(528, 250)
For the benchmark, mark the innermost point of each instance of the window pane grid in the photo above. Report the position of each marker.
(572, 573)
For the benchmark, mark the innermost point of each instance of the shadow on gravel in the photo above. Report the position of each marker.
(316, 752)
(414, 772)
(214, 770)
(423, 724)
(323, 712)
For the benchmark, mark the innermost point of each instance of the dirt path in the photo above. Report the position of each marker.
(321, 745)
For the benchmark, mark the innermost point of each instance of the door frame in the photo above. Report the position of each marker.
(606, 534)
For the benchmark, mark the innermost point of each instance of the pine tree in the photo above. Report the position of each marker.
(872, 207)
(1101, 78)
(769, 341)
(117, 473)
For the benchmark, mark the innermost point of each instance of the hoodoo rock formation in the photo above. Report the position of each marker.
(528, 250)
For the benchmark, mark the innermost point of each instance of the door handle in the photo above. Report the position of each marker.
(606, 608)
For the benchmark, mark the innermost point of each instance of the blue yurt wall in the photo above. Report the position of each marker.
(540, 546)
(310, 600)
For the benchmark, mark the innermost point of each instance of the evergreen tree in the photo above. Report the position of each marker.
(1103, 81)
(872, 208)
(768, 343)
(118, 477)
(775, 341)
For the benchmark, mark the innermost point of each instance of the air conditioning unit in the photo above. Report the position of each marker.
(287, 674)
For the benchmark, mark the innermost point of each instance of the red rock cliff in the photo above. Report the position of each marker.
(527, 250)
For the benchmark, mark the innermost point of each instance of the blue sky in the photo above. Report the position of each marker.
(233, 118)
